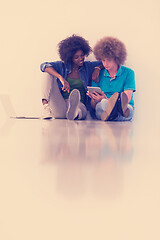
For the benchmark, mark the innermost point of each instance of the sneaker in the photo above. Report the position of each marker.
(74, 99)
(46, 112)
(111, 111)
(123, 105)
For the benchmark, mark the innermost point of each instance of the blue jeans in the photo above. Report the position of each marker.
(101, 107)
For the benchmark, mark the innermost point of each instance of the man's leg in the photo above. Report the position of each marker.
(107, 108)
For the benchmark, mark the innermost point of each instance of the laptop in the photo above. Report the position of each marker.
(9, 109)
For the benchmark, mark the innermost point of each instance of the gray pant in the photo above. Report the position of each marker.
(102, 105)
(58, 105)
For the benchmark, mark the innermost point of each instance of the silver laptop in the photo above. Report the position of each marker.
(9, 109)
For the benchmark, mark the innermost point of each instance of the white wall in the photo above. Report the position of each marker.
(31, 30)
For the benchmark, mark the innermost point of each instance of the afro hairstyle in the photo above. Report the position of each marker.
(69, 46)
(111, 48)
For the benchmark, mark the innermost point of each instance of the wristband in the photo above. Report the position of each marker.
(98, 68)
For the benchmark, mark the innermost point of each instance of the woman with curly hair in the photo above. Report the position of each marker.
(117, 82)
(65, 86)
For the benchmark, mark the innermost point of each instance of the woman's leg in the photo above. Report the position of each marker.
(75, 108)
(52, 94)
(82, 111)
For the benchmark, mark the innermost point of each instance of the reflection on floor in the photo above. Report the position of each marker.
(63, 179)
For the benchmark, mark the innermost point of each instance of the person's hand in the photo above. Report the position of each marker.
(95, 75)
(96, 96)
(65, 84)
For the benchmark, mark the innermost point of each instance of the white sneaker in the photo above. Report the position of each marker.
(46, 112)
(74, 99)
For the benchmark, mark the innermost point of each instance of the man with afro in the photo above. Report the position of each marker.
(116, 81)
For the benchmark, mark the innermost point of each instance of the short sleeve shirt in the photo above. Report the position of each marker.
(124, 80)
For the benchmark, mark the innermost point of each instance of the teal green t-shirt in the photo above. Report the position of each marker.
(124, 80)
(75, 84)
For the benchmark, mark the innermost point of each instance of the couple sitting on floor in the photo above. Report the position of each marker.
(65, 83)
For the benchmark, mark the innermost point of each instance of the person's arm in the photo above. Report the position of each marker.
(93, 103)
(96, 97)
(95, 75)
(129, 94)
(53, 72)
(129, 84)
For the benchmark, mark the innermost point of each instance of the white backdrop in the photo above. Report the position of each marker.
(31, 30)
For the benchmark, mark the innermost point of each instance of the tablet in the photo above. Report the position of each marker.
(92, 89)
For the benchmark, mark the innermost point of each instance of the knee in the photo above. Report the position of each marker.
(101, 105)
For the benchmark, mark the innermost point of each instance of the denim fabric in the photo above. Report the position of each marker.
(85, 71)
(101, 107)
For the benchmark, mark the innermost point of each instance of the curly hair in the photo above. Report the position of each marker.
(112, 48)
(69, 46)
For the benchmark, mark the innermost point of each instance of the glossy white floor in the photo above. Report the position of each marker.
(76, 180)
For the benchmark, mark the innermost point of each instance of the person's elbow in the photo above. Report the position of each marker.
(45, 65)
(42, 67)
